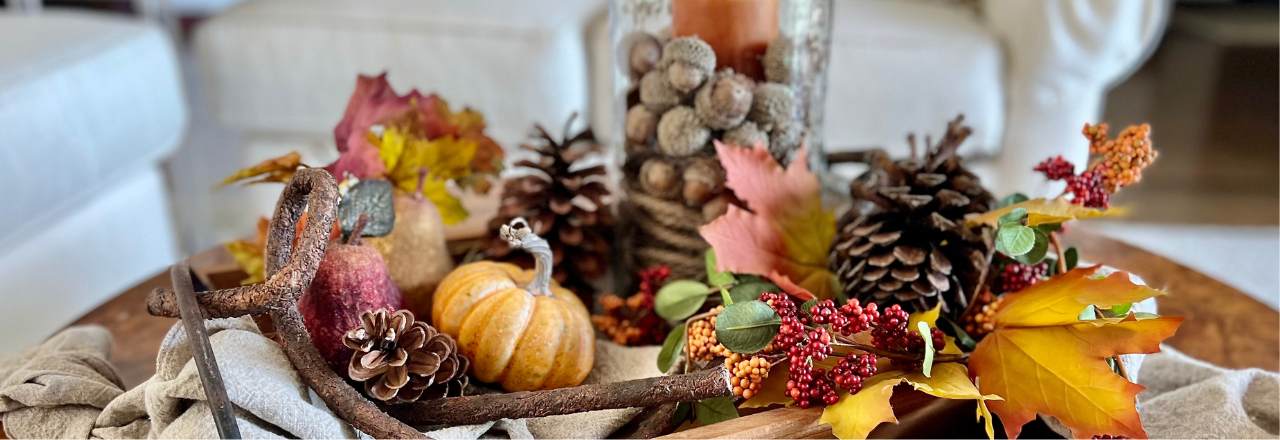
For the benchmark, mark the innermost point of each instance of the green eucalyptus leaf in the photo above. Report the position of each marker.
(714, 410)
(747, 327)
(1013, 217)
(963, 340)
(1049, 227)
(671, 348)
(748, 289)
(1072, 256)
(714, 276)
(680, 299)
(1119, 309)
(1038, 250)
(1014, 240)
(1012, 199)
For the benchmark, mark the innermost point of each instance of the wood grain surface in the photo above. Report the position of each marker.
(1224, 326)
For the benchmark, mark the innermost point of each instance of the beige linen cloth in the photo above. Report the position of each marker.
(66, 388)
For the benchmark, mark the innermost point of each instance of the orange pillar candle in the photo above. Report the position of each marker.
(738, 30)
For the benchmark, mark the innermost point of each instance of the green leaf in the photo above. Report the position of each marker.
(805, 306)
(671, 348)
(747, 327)
(1013, 217)
(748, 289)
(714, 276)
(1119, 310)
(1014, 240)
(1049, 227)
(927, 366)
(683, 411)
(1038, 250)
(680, 299)
(963, 340)
(1012, 199)
(714, 410)
(1072, 256)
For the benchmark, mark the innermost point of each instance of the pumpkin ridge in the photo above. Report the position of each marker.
(535, 354)
(500, 331)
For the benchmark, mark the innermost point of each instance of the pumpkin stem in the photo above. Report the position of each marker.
(519, 235)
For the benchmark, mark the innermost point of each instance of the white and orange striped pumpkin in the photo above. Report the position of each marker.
(519, 328)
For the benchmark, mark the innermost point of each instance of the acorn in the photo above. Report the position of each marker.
(779, 60)
(656, 94)
(645, 54)
(784, 140)
(680, 133)
(715, 208)
(724, 101)
(658, 177)
(772, 105)
(746, 134)
(688, 61)
(641, 126)
(703, 178)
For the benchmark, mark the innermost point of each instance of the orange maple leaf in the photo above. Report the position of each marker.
(1041, 358)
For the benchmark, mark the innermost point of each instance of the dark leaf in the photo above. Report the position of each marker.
(373, 199)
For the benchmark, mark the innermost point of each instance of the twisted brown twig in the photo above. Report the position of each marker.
(288, 275)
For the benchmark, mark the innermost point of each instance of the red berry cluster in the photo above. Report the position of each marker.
(851, 370)
(1017, 276)
(631, 320)
(892, 333)
(1056, 168)
(806, 338)
(651, 278)
(1089, 190)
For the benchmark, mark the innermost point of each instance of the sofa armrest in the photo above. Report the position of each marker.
(1061, 58)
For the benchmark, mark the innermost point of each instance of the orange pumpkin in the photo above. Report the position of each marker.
(519, 328)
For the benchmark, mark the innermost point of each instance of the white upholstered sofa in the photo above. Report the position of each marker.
(90, 104)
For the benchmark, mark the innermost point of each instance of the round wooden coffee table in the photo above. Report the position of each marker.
(1224, 326)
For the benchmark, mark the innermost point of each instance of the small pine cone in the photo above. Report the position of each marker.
(746, 376)
(681, 133)
(658, 178)
(747, 135)
(642, 125)
(772, 105)
(645, 53)
(724, 101)
(779, 60)
(703, 179)
(400, 359)
(656, 94)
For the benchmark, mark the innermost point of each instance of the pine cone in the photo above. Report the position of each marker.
(565, 203)
(906, 242)
(400, 359)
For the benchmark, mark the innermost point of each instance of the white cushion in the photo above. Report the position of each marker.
(290, 65)
(900, 67)
(86, 100)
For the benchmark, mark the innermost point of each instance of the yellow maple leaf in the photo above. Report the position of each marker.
(856, 415)
(1042, 359)
(248, 254)
(276, 169)
(1039, 212)
(415, 163)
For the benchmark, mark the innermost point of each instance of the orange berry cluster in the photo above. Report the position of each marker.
(980, 322)
(746, 375)
(1122, 158)
(702, 344)
(632, 321)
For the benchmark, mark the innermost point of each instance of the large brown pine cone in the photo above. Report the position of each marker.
(400, 359)
(906, 242)
(565, 202)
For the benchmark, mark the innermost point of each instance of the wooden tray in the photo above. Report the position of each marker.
(1224, 326)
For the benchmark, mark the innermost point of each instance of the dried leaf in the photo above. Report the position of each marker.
(1042, 359)
(787, 230)
(1040, 212)
(249, 254)
(856, 415)
(276, 169)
